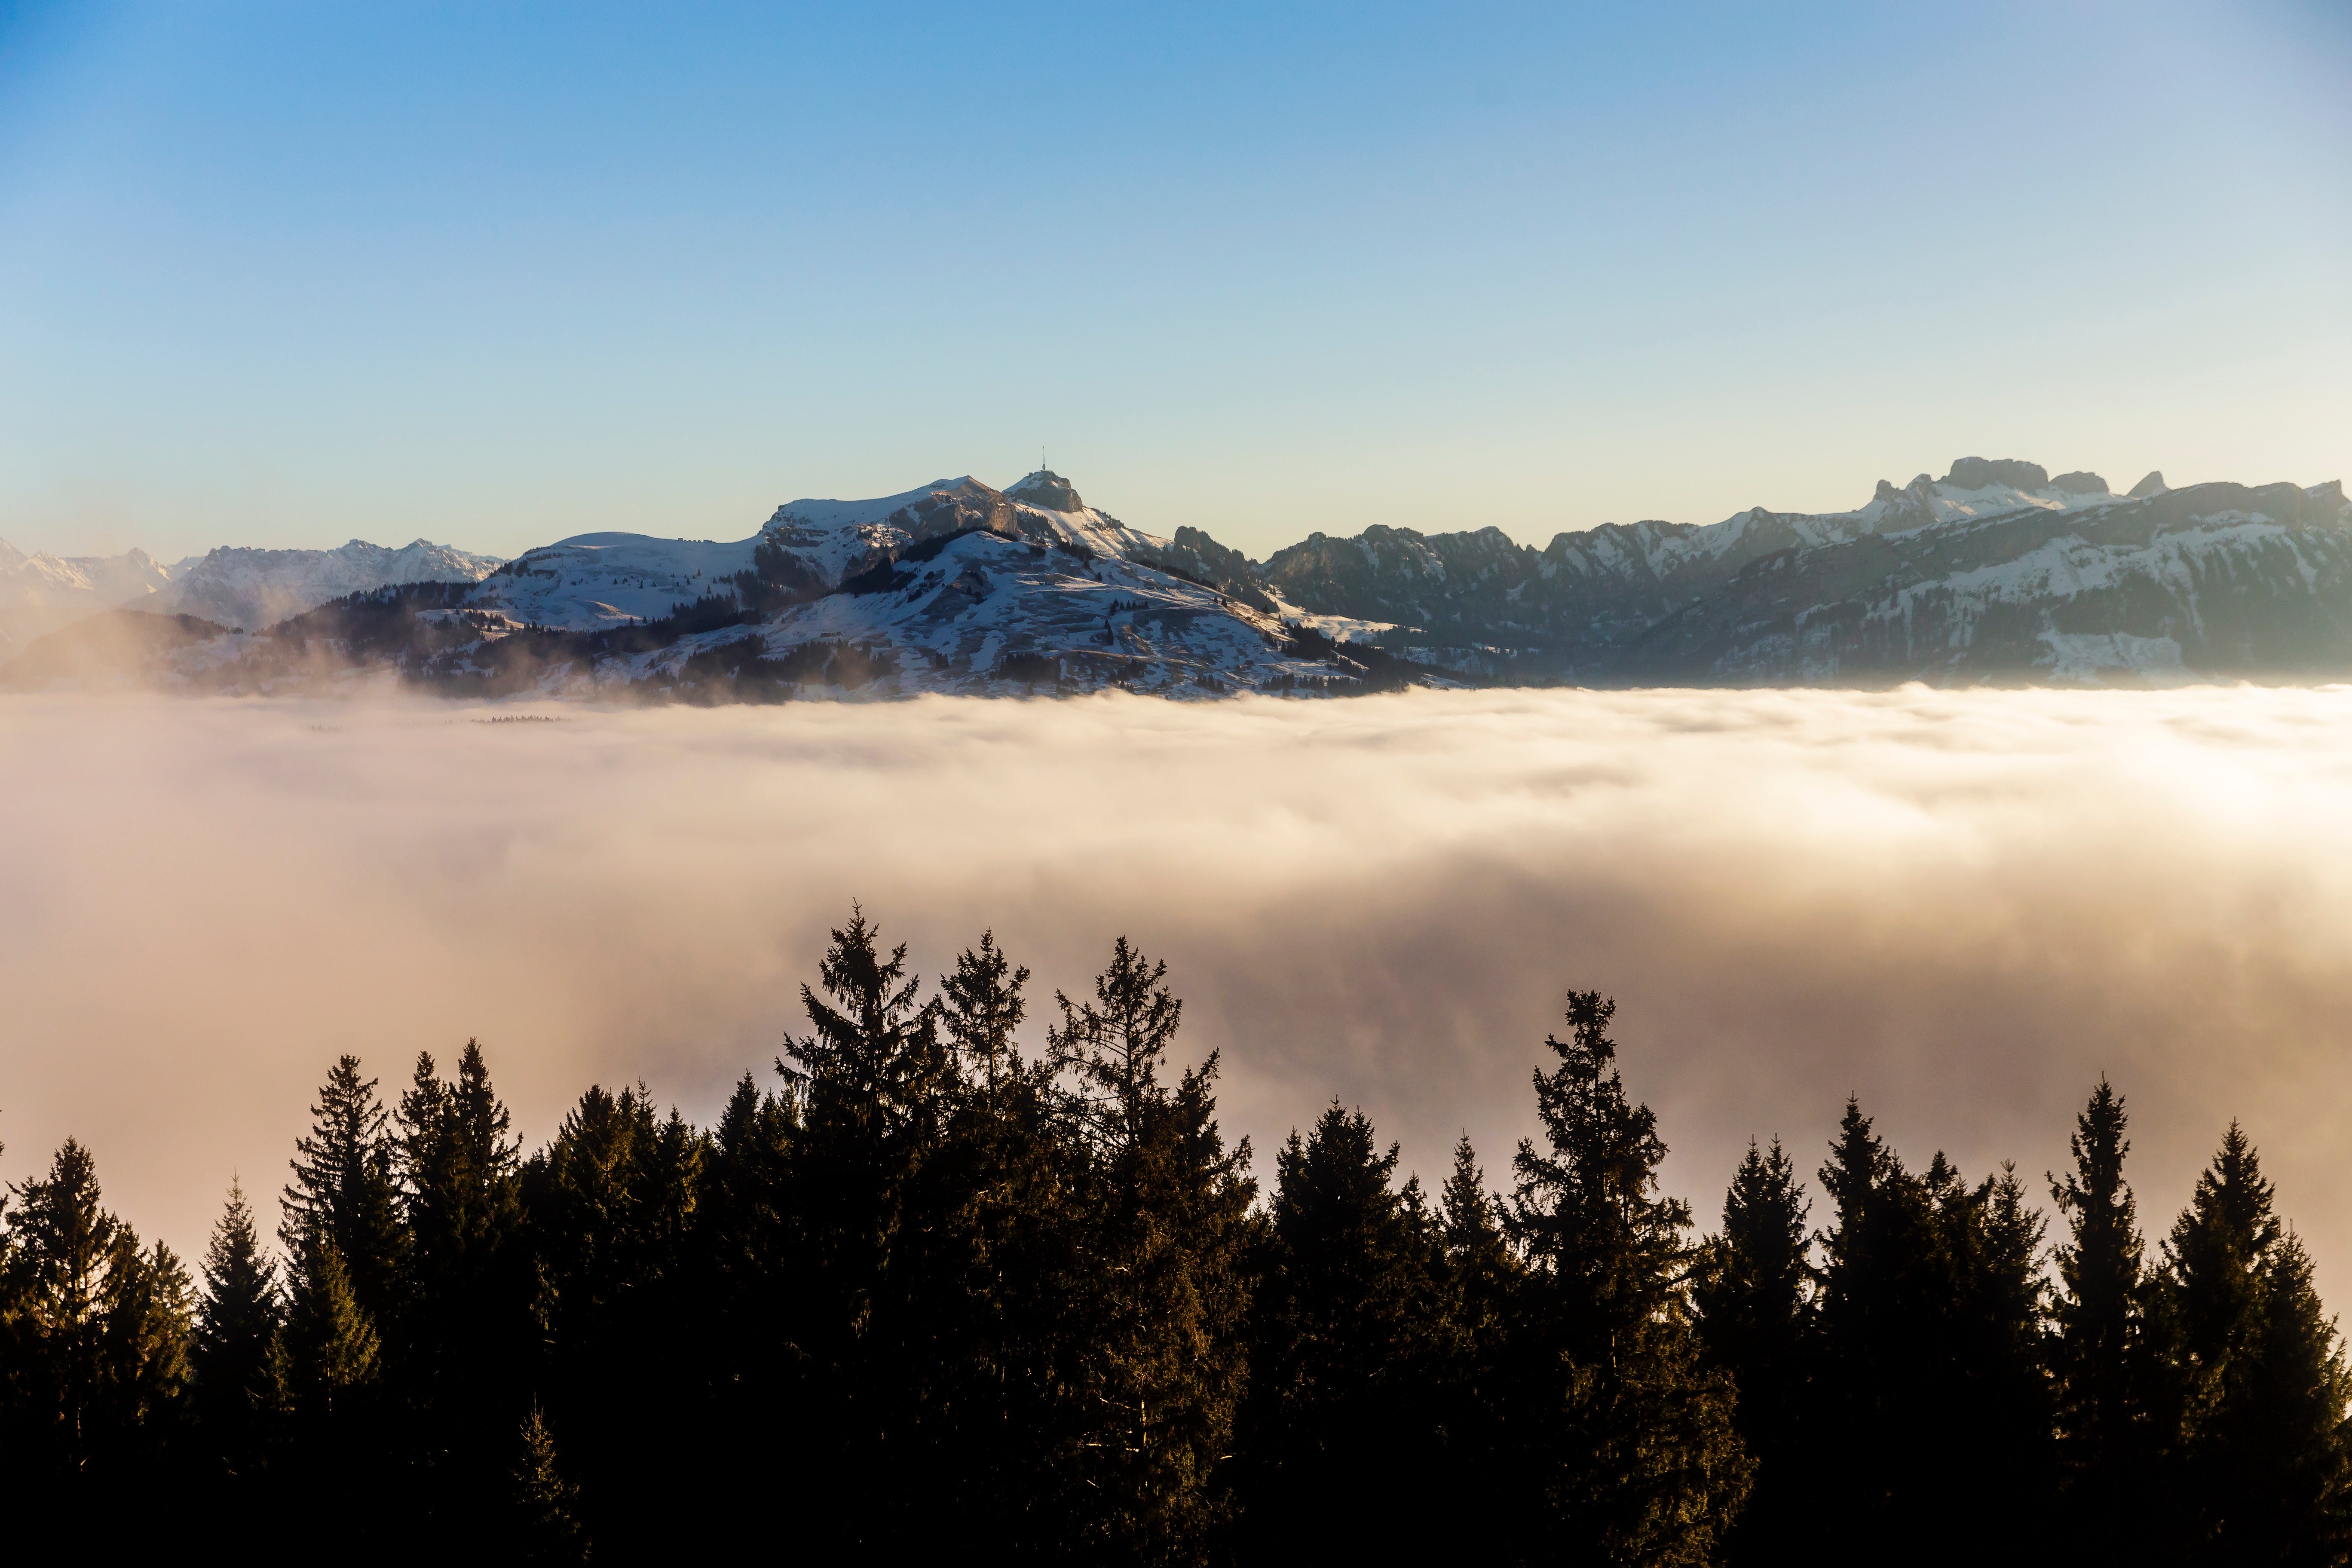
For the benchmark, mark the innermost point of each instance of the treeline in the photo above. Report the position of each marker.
(931, 1293)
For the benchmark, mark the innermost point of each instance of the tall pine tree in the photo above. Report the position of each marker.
(237, 1317)
(1753, 1291)
(2102, 1362)
(1627, 1439)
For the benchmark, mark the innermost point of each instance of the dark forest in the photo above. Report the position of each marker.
(930, 1286)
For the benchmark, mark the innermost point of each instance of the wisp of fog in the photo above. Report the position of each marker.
(1963, 907)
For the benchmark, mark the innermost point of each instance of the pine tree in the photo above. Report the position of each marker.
(1163, 1274)
(613, 1203)
(1927, 1393)
(466, 1329)
(982, 1007)
(327, 1353)
(2261, 1389)
(93, 1346)
(876, 1079)
(1482, 1282)
(545, 1506)
(1346, 1353)
(2100, 1356)
(345, 1191)
(1115, 1043)
(1753, 1294)
(237, 1319)
(1629, 1439)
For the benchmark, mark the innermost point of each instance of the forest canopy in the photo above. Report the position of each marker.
(966, 1266)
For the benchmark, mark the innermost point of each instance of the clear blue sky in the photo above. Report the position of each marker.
(288, 274)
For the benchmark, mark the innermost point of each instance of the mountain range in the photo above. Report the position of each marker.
(1996, 572)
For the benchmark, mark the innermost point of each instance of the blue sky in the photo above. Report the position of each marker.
(290, 274)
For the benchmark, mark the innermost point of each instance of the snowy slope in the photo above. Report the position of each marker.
(258, 588)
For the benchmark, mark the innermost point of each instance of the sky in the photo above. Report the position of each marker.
(492, 274)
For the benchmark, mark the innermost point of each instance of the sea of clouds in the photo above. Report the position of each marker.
(1963, 907)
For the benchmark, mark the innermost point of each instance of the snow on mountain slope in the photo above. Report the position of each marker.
(2212, 580)
(979, 612)
(595, 579)
(258, 588)
(40, 593)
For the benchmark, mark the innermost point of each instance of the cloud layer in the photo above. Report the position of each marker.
(1962, 907)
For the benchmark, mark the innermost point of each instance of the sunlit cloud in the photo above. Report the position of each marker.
(1962, 907)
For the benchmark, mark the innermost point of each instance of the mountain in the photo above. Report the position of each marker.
(40, 593)
(1996, 572)
(953, 586)
(258, 588)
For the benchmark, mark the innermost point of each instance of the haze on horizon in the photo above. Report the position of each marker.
(277, 276)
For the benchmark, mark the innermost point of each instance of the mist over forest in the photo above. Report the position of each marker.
(1962, 907)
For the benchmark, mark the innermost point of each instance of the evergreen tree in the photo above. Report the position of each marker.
(546, 1526)
(1482, 1278)
(467, 1333)
(237, 1319)
(93, 1352)
(1347, 1350)
(345, 1192)
(328, 1353)
(2101, 1359)
(999, 1274)
(982, 1005)
(2260, 1383)
(1167, 1235)
(1753, 1294)
(875, 1078)
(613, 1203)
(1927, 1392)
(1628, 1440)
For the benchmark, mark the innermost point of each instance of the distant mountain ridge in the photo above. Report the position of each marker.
(1996, 572)
(233, 587)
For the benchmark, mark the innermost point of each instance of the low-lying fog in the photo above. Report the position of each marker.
(1963, 907)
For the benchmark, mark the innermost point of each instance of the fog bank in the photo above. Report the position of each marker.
(1963, 907)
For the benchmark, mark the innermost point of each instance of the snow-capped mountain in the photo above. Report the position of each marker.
(257, 588)
(40, 593)
(1996, 570)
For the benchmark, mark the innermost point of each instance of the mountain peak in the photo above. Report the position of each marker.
(1976, 473)
(1048, 489)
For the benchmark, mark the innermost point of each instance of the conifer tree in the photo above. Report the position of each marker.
(875, 1077)
(2101, 1359)
(999, 1273)
(982, 1005)
(466, 1329)
(61, 1244)
(2261, 1388)
(1163, 1274)
(237, 1319)
(1630, 1444)
(1345, 1361)
(327, 1350)
(545, 1505)
(345, 1190)
(1927, 1391)
(1482, 1278)
(93, 1336)
(1753, 1294)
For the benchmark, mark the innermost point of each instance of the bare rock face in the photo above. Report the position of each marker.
(1976, 473)
(2082, 482)
(2153, 485)
(1048, 489)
